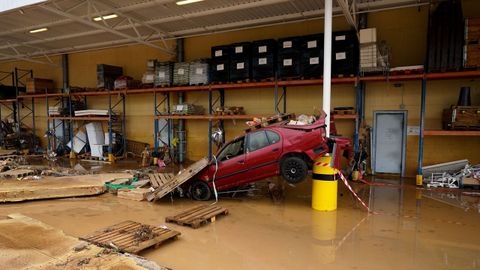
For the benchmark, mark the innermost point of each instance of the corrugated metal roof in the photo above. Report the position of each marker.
(71, 28)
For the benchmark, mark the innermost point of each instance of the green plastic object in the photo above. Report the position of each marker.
(117, 186)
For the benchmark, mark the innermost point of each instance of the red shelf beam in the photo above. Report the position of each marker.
(469, 133)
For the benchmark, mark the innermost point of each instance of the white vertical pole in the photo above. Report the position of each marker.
(327, 63)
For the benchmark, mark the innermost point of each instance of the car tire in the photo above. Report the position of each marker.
(200, 191)
(294, 170)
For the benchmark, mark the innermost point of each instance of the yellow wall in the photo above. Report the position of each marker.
(404, 31)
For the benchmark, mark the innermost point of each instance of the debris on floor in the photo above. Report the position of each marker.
(46, 247)
(56, 187)
(171, 184)
(467, 176)
(130, 236)
(197, 215)
(135, 194)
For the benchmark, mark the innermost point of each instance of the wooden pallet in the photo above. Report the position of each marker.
(271, 120)
(183, 176)
(159, 179)
(197, 216)
(135, 194)
(130, 236)
(343, 112)
(17, 173)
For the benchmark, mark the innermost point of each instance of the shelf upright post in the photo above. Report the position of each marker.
(419, 178)
(71, 114)
(169, 121)
(358, 90)
(124, 124)
(49, 146)
(110, 149)
(34, 134)
(155, 122)
(210, 111)
(222, 104)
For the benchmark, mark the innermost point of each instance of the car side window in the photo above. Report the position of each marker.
(273, 137)
(233, 149)
(257, 140)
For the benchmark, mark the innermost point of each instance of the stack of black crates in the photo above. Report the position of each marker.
(289, 58)
(345, 53)
(312, 56)
(220, 64)
(240, 62)
(264, 59)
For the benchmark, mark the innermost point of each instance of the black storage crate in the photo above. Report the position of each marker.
(288, 65)
(243, 49)
(219, 70)
(263, 47)
(345, 53)
(240, 69)
(107, 74)
(290, 45)
(264, 59)
(223, 51)
(312, 64)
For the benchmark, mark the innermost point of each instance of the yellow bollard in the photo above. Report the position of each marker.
(111, 158)
(419, 180)
(324, 186)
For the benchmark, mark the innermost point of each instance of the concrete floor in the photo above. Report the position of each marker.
(413, 229)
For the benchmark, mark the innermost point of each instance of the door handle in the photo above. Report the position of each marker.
(241, 161)
(275, 149)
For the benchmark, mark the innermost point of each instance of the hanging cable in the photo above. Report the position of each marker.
(213, 180)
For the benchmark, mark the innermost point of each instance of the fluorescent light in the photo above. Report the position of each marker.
(43, 29)
(9, 5)
(105, 17)
(185, 2)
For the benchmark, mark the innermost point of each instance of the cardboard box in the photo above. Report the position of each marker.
(368, 35)
(96, 150)
(95, 134)
(368, 55)
(37, 85)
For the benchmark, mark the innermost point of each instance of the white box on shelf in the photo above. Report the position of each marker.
(368, 35)
(96, 150)
(368, 55)
(95, 133)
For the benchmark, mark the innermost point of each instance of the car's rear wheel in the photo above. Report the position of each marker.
(200, 191)
(294, 170)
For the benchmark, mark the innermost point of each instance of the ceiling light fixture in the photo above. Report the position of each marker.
(185, 2)
(43, 29)
(105, 17)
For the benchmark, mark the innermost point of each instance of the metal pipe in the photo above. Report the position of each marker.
(181, 123)
(422, 126)
(327, 64)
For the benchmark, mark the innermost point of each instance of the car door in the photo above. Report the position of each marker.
(231, 164)
(264, 149)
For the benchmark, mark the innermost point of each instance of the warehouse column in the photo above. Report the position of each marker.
(327, 63)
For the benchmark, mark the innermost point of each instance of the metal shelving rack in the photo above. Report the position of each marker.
(65, 99)
(216, 97)
(9, 104)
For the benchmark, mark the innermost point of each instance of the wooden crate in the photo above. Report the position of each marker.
(37, 85)
(197, 215)
(130, 236)
(462, 118)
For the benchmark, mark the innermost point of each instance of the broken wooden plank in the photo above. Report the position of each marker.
(197, 215)
(175, 181)
(46, 247)
(56, 187)
(135, 194)
(130, 236)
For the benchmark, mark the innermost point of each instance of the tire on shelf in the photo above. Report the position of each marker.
(200, 191)
(293, 169)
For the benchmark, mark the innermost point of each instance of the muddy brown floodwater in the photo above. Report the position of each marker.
(414, 229)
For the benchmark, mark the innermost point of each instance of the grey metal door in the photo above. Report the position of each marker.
(389, 137)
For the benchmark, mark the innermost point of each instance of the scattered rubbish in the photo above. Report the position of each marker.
(303, 120)
(129, 236)
(197, 215)
(469, 174)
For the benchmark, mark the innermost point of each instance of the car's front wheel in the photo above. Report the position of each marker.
(294, 169)
(200, 191)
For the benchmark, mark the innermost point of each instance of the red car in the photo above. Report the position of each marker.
(281, 149)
